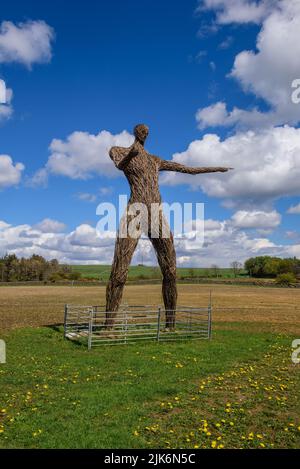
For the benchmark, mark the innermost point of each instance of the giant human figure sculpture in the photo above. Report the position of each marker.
(142, 170)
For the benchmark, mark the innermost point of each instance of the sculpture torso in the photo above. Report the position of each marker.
(142, 173)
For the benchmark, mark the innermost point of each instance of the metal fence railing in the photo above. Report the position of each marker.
(132, 324)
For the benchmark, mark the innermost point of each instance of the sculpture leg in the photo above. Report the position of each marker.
(124, 250)
(166, 257)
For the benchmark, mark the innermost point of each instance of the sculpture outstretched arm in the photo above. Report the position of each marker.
(180, 168)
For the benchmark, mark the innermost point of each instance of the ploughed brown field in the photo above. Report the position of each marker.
(273, 309)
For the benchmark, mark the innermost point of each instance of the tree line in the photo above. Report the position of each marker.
(273, 267)
(36, 268)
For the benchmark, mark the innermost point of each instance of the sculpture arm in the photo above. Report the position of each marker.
(180, 168)
(122, 156)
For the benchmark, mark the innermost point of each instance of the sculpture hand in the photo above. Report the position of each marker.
(224, 170)
(134, 152)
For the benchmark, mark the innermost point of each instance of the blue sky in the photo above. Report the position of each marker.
(108, 65)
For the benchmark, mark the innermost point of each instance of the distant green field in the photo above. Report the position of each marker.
(143, 272)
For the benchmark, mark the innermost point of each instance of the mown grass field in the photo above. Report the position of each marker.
(273, 309)
(143, 272)
(240, 390)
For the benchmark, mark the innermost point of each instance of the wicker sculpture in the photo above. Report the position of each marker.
(142, 170)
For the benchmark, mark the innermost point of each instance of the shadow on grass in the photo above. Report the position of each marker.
(59, 329)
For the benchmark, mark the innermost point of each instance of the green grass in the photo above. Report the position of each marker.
(103, 271)
(56, 394)
(137, 272)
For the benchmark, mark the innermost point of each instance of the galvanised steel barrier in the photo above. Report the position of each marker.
(135, 323)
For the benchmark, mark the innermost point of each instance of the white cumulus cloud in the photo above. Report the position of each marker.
(266, 165)
(10, 172)
(224, 243)
(26, 43)
(87, 197)
(268, 71)
(82, 155)
(6, 108)
(294, 210)
(217, 115)
(238, 11)
(257, 219)
(50, 226)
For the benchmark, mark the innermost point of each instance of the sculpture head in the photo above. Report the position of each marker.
(141, 132)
